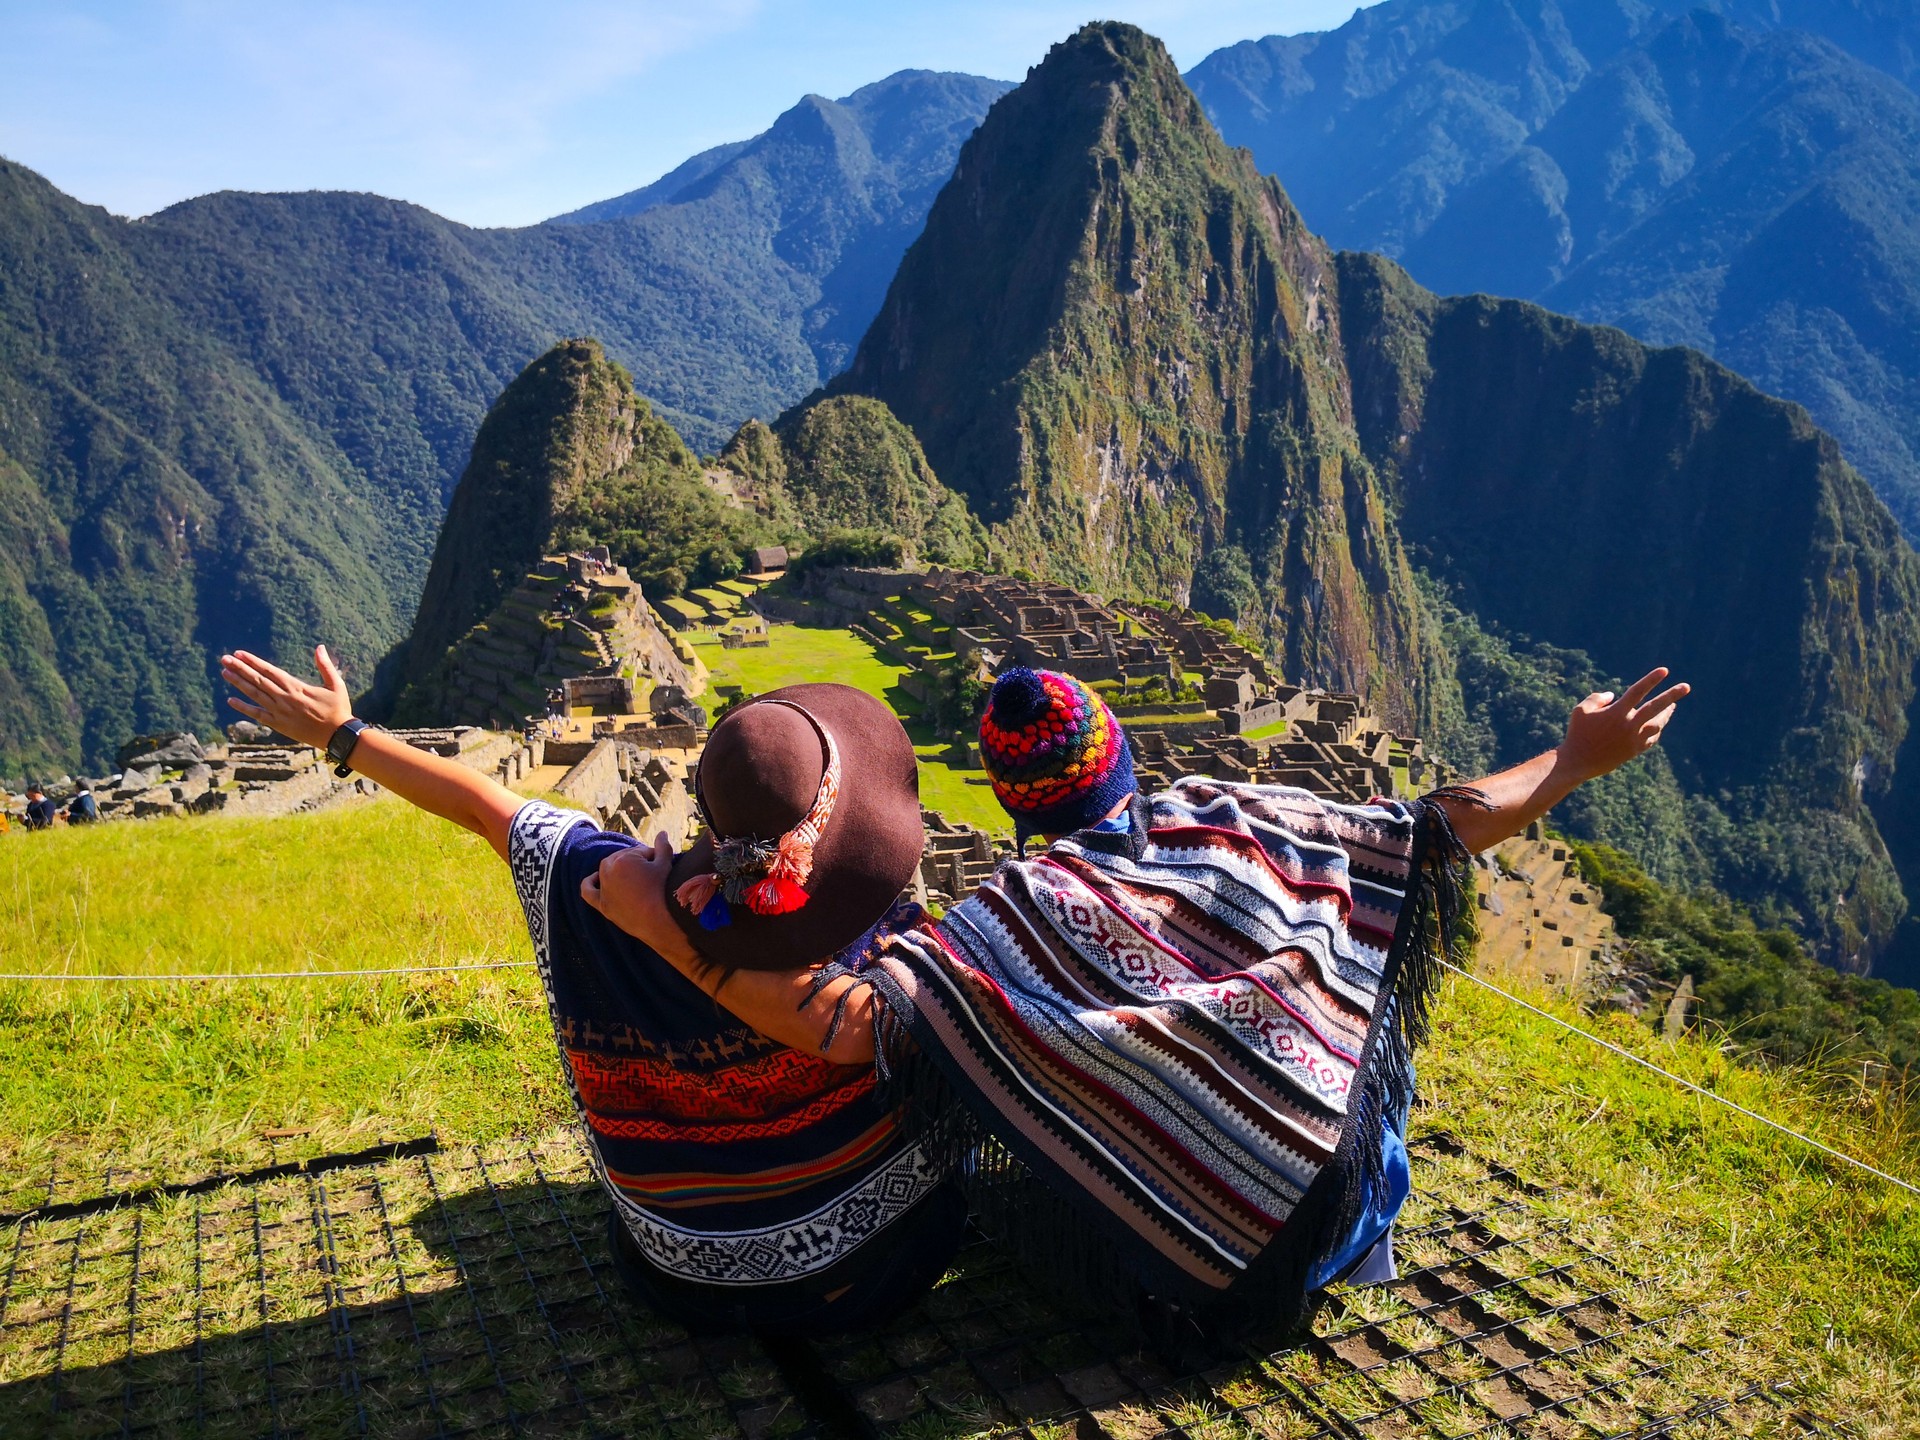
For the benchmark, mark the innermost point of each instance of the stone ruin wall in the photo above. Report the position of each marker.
(573, 617)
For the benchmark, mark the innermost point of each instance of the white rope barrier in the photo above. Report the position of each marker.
(278, 974)
(1646, 1064)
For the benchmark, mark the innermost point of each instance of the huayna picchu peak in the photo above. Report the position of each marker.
(1124, 348)
(1117, 340)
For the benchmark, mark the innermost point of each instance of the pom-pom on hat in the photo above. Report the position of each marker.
(1057, 758)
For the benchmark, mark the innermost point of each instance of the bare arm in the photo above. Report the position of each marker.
(1603, 734)
(630, 889)
(311, 713)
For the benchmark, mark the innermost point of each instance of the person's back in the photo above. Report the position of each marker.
(83, 809)
(735, 1161)
(40, 809)
(755, 1182)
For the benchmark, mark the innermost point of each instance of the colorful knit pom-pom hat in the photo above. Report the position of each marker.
(1057, 758)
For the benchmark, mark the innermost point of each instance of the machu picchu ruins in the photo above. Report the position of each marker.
(578, 686)
(575, 618)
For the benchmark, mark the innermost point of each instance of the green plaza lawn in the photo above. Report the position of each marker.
(799, 654)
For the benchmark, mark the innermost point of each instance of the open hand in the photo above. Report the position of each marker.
(307, 713)
(1605, 732)
(630, 890)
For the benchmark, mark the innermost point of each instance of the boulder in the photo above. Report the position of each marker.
(135, 780)
(171, 750)
(249, 732)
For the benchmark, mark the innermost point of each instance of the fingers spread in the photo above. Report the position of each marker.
(1643, 687)
(244, 683)
(245, 709)
(1664, 702)
(256, 675)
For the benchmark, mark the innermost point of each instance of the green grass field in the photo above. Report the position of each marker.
(355, 888)
(799, 654)
(1821, 1265)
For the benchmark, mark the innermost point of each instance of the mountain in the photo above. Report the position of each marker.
(239, 421)
(568, 456)
(1124, 348)
(1114, 338)
(1740, 178)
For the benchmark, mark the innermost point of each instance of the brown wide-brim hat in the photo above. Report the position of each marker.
(760, 774)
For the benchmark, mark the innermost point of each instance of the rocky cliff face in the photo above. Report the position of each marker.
(1120, 343)
(1571, 484)
(1738, 176)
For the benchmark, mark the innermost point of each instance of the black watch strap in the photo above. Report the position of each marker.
(340, 747)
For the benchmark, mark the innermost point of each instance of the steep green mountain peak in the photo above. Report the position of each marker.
(1114, 337)
(569, 456)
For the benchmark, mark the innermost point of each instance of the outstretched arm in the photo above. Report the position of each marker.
(1603, 733)
(311, 713)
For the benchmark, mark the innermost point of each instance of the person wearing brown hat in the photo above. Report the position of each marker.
(758, 1181)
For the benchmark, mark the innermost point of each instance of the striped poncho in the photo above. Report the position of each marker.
(1183, 1038)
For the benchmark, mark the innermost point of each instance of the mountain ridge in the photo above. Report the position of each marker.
(1125, 349)
(1738, 177)
(294, 382)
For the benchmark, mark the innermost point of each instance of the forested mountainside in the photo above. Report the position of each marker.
(238, 421)
(569, 456)
(1114, 339)
(1742, 177)
(1122, 346)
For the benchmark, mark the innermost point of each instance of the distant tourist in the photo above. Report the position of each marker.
(755, 1181)
(83, 809)
(1190, 1019)
(40, 809)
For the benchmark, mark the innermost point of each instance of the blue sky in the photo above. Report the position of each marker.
(491, 113)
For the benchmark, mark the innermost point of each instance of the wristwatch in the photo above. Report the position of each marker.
(340, 747)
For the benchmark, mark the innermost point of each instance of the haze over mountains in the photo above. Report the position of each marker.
(1741, 176)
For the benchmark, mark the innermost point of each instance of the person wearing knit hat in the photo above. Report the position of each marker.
(1056, 756)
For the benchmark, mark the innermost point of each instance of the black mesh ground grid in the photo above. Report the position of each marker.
(434, 1295)
(470, 1293)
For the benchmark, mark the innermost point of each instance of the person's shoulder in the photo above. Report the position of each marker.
(548, 846)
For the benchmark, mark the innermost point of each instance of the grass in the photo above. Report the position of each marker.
(196, 1068)
(1815, 1260)
(1818, 1263)
(358, 887)
(1266, 732)
(798, 654)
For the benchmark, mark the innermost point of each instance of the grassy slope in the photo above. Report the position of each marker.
(1819, 1263)
(356, 888)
